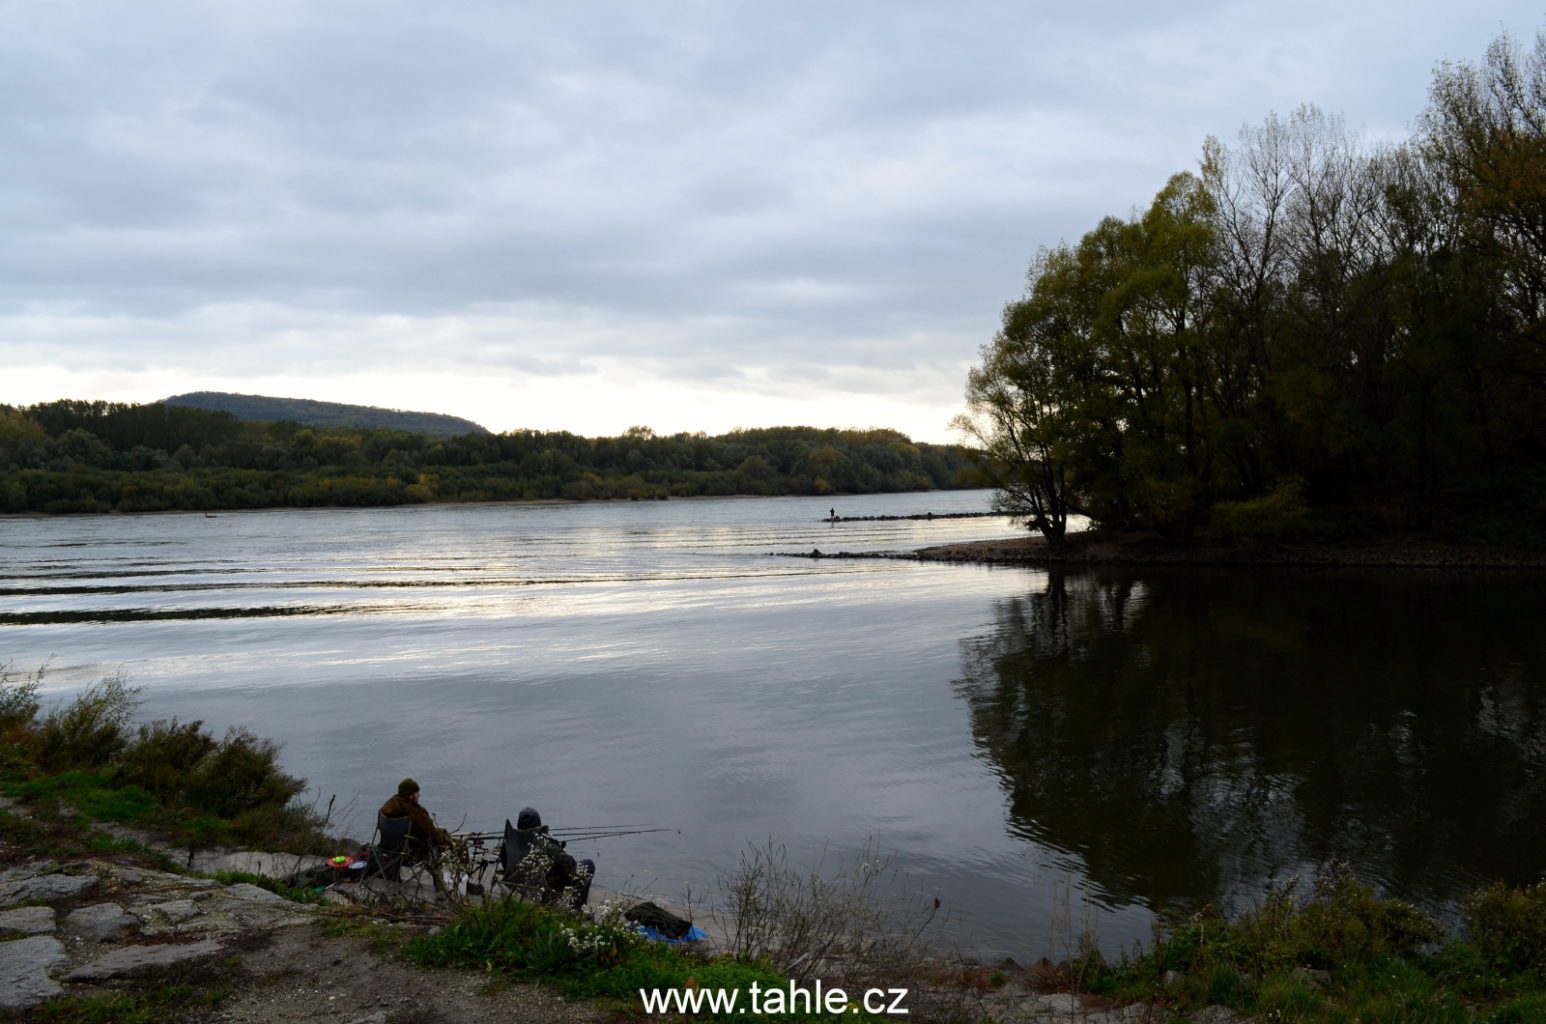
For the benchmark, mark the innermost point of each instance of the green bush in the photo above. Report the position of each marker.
(1342, 922)
(164, 755)
(1263, 962)
(523, 940)
(602, 957)
(1171, 506)
(1279, 516)
(169, 774)
(226, 791)
(18, 698)
(87, 732)
(1508, 926)
(241, 776)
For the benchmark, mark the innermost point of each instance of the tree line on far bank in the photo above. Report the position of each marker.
(75, 456)
(1311, 337)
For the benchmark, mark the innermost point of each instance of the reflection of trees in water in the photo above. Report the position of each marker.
(1189, 735)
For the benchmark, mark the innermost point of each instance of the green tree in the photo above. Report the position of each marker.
(1024, 400)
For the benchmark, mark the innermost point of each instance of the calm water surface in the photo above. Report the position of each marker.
(1132, 741)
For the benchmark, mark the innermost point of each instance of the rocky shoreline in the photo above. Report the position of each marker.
(88, 923)
(93, 929)
(113, 936)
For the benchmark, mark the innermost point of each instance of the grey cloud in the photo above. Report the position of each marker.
(817, 190)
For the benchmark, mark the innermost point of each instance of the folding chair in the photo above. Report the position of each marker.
(518, 843)
(511, 852)
(389, 850)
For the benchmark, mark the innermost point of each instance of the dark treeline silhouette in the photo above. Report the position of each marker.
(1311, 337)
(1192, 735)
(73, 456)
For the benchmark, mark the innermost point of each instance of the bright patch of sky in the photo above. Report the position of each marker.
(691, 216)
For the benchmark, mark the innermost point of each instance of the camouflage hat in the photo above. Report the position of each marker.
(407, 788)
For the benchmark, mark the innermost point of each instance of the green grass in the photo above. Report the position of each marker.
(586, 960)
(1397, 991)
(153, 1006)
(1289, 999)
(1530, 1009)
(89, 792)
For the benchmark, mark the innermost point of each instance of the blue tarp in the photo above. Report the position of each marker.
(693, 934)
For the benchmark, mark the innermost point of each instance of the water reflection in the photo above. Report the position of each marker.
(1189, 736)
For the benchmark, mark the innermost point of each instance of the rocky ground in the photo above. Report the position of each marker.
(112, 929)
(105, 928)
(97, 928)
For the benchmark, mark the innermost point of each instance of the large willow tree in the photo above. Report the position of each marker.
(1310, 336)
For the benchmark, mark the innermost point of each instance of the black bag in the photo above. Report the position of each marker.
(662, 920)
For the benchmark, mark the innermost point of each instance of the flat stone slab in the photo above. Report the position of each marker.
(173, 911)
(26, 966)
(102, 922)
(132, 961)
(1055, 1002)
(27, 921)
(31, 869)
(256, 862)
(44, 888)
(248, 891)
(226, 910)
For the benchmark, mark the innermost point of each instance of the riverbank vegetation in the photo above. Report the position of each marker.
(1339, 953)
(85, 757)
(1312, 338)
(71, 456)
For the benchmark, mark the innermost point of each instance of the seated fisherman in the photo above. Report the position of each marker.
(424, 837)
(538, 867)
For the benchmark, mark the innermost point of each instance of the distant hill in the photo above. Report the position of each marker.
(326, 414)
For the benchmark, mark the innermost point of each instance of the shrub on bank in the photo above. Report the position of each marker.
(1279, 516)
(165, 774)
(1341, 954)
(1508, 927)
(89, 731)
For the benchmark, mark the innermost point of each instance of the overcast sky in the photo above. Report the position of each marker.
(589, 216)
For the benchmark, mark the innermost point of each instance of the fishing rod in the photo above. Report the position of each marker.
(570, 828)
(611, 835)
(574, 834)
(582, 828)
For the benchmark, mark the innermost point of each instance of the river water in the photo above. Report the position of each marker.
(1117, 743)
